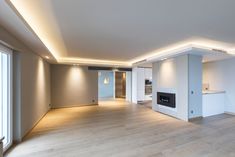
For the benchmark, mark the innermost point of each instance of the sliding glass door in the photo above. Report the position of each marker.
(5, 96)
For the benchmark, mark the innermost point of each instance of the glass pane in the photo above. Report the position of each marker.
(5, 94)
(5, 128)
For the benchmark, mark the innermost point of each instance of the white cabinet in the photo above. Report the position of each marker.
(148, 73)
(213, 103)
(138, 83)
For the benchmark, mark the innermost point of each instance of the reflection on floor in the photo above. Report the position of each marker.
(147, 104)
(118, 128)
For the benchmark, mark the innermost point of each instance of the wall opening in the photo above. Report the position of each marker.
(120, 85)
(105, 85)
(114, 85)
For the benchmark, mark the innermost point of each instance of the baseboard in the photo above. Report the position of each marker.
(16, 142)
(231, 113)
(34, 125)
(70, 106)
(195, 118)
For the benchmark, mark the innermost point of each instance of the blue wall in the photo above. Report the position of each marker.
(105, 90)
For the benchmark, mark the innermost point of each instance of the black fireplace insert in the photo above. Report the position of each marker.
(166, 99)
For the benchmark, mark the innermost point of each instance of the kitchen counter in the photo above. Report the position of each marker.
(213, 102)
(212, 92)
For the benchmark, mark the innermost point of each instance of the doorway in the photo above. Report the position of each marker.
(106, 85)
(120, 85)
(114, 85)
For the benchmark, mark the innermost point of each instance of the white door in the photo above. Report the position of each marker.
(5, 96)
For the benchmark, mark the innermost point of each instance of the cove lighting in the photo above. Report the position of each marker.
(23, 9)
(182, 47)
(32, 22)
(88, 61)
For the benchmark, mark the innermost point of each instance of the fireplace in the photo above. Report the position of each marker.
(166, 99)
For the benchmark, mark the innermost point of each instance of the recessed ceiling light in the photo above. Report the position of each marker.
(163, 59)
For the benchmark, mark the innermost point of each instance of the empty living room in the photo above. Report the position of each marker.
(120, 78)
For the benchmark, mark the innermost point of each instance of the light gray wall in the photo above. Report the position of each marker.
(171, 75)
(35, 90)
(17, 97)
(195, 86)
(220, 75)
(31, 86)
(73, 86)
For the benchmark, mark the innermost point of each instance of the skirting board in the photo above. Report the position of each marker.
(195, 118)
(70, 106)
(231, 113)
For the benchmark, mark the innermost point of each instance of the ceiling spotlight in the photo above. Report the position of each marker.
(163, 59)
(47, 57)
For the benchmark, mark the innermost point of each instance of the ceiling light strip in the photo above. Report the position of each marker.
(16, 5)
(27, 19)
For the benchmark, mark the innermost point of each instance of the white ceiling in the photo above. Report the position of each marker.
(119, 30)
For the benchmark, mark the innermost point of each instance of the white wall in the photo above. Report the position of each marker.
(73, 86)
(220, 75)
(31, 86)
(134, 85)
(172, 76)
(138, 83)
(128, 86)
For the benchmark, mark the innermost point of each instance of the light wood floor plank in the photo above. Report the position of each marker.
(121, 129)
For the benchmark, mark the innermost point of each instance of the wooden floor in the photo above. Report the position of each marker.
(120, 129)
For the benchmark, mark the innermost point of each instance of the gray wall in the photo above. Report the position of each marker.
(73, 86)
(31, 86)
(35, 90)
(220, 75)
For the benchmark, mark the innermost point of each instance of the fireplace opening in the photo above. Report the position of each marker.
(166, 99)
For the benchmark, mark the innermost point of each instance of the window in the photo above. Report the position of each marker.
(5, 96)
